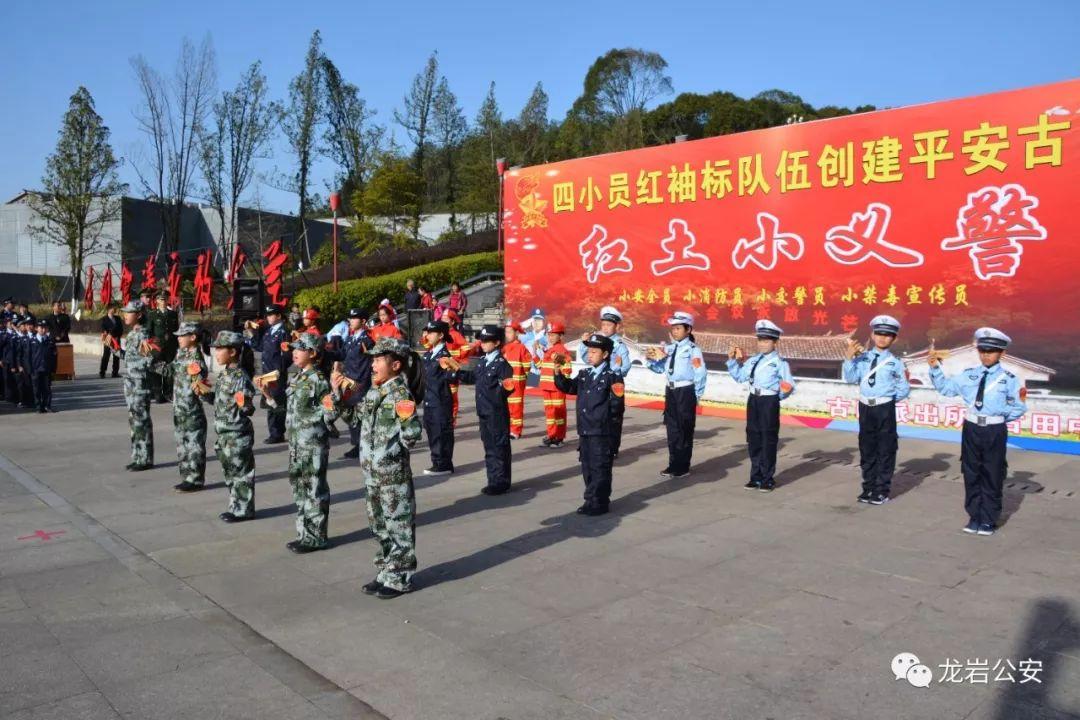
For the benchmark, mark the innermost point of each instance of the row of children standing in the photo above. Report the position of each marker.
(27, 362)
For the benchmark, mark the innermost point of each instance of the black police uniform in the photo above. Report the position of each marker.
(438, 403)
(114, 328)
(493, 412)
(599, 406)
(269, 340)
(352, 352)
(26, 386)
(42, 353)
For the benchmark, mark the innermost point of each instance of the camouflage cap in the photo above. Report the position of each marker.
(389, 346)
(227, 339)
(309, 342)
(133, 306)
(188, 328)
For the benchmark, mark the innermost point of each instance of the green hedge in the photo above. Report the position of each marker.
(366, 293)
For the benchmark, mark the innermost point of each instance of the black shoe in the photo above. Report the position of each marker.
(581, 510)
(42, 411)
(102, 375)
(595, 510)
(436, 471)
(291, 544)
(666, 472)
(546, 440)
(300, 549)
(162, 401)
(879, 499)
(388, 593)
(675, 474)
(139, 467)
(495, 489)
(372, 587)
(186, 487)
(752, 485)
(352, 454)
(228, 517)
(865, 495)
(116, 375)
(274, 440)
(555, 444)
(767, 486)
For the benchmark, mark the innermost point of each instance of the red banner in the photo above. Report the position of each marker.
(204, 283)
(126, 278)
(238, 259)
(106, 287)
(948, 216)
(276, 259)
(149, 281)
(88, 296)
(173, 279)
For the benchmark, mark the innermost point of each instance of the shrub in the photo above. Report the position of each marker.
(366, 293)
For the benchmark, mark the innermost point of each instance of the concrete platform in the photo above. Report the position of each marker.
(692, 599)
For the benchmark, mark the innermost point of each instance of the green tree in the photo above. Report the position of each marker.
(80, 190)
(351, 141)
(300, 122)
(415, 117)
(449, 127)
(388, 203)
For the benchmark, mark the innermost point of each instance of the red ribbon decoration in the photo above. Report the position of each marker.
(276, 259)
(88, 296)
(203, 281)
(238, 259)
(174, 279)
(106, 287)
(149, 281)
(126, 279)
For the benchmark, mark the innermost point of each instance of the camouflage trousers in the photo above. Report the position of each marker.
(137, 396)
(189, 431)
(237, 457)
(391, 511)
(307, 475)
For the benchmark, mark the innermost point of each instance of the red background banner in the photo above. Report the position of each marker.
(949, 216)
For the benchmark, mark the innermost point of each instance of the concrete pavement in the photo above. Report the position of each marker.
(692, 599)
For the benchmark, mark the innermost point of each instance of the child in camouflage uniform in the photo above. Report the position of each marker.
(234, 405)
(389, 427)
(189, 420)
(140, 353)
(310, 410)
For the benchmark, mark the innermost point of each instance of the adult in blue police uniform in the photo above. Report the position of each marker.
(619, 362)
(7, 355)
(26, 387)
(5, 337)
(42, 351)
(599, 404)
(994, 397)
(493, 378)
(770, 381)
(350, 346)
(268, 339)
(438, 399)
(882, 382)
(683, 367)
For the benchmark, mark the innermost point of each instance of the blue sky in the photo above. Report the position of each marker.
(844, 52)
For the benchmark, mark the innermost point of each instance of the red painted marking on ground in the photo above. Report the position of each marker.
(43, 534)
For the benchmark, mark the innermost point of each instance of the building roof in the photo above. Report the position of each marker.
(792, 347)
(920, 357)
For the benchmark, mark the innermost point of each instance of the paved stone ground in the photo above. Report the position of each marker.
(692, 599)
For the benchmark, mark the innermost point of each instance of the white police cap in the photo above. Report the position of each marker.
(681, 318)
(609, 313)
(988, 338)
(767, 329)
(885, 324)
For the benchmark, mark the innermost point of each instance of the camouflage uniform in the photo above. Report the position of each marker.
(389, 426)
(306, 421)
(137, 393)
(235, 437)
(189, 420)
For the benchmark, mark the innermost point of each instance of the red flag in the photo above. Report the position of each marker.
(203, 281)
(126, 278)
(149, 281)
(276, 259)
(174, 279)
(238, 259)
(106, 287)
(88, 296)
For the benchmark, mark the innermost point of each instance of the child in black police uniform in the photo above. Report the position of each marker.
(600, 405)
(438, 398)
(493, 378)
(994, 397)
(42, 366)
